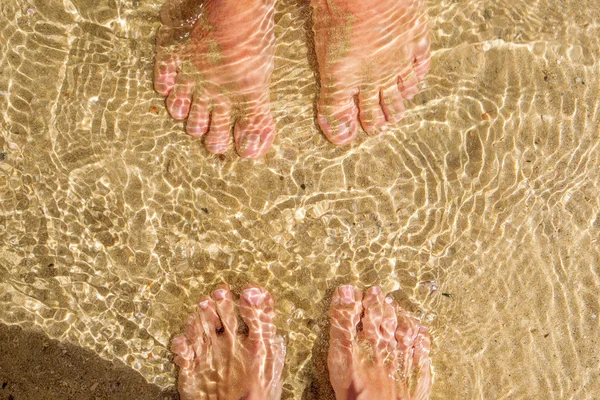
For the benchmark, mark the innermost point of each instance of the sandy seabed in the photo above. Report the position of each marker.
(113, 222)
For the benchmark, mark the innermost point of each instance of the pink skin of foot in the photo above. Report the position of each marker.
(372, 51)
(215, 362)
(397, 351)
(214, 61)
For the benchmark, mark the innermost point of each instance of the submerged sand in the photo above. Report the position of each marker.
(113, 222)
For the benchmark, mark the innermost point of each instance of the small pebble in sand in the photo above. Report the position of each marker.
(430, 284)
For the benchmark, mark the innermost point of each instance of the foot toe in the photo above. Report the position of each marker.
(406, 333)
(254, 137)
(422, 48)
(414, 344)
(197, 122)
(209, 317)
(165, 73)
(191, 344)
(180, 100)
(372, 118)
(344, 313)
(379, 325)
(408, 83)
(257, 311)
(184, 352)
(339, 123)
(422, 362)
(422, 57)
(226, 310)
(392, 104)
(218, 136)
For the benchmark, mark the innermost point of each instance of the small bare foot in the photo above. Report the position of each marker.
(388, 359)
(214, 60)
(375, 50)
(217, 363)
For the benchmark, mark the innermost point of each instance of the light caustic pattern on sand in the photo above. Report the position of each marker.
(113, 222)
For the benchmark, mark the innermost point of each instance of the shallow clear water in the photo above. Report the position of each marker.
(113, 222)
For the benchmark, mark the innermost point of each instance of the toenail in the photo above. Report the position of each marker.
(323, 122)
(389, 300)
(343, 130)
(253, 296)
(346, 294)
(375, 290)
(219, 294)
(203, 304)
(251, 142)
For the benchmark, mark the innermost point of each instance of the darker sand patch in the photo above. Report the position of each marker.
(32, 366)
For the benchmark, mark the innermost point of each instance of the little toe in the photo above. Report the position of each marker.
(165, 73)
(197, 122)
(422, 48)
(408, 83)
(392, 104)
(422, 55)
(180, 100)
(274, 367)
(218, 135)
(226, 310)
(254, 136)
(372, 117)
(406, 333)
(339, 123)
(422, 362)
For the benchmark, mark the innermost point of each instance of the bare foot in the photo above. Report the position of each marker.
(217, 363)
(384, 361)
(214, 60)
(376, 50)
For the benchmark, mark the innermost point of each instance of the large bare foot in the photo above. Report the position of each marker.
(217, 363)
(214, 60)
(375, 50)
(384, 361)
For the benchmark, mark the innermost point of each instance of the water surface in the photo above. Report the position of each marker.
(113, 222)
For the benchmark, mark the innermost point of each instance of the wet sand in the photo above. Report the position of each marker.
(113, 222)
(32, 366)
